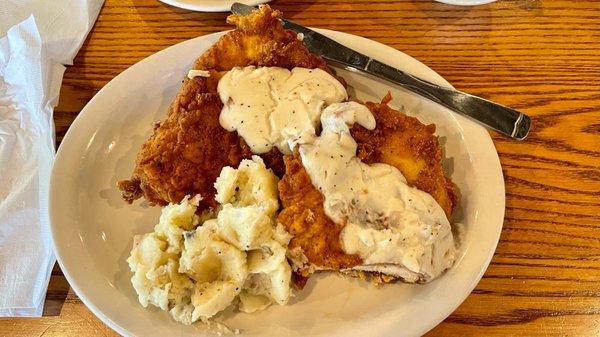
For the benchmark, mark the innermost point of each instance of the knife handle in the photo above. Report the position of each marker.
(505, 120)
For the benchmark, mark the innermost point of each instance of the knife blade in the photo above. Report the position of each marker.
(507, 121)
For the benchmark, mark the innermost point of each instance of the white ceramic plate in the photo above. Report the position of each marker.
(465, 2)
(93, 228)
(210, 5)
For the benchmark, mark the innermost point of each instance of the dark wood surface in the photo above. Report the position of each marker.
(542, 57)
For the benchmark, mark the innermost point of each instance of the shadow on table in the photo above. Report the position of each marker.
(58, 288)
(77, 89)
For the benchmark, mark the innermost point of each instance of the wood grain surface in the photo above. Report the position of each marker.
(542, 57)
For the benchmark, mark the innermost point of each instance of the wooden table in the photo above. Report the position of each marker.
(542, 57)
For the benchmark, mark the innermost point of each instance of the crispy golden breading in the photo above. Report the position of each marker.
(303, 216)
(188, 150)
(398, 140)
(404, 142)
(181, 157)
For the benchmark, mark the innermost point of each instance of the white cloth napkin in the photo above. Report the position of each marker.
(38, 37)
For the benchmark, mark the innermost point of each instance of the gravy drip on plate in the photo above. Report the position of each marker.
(396, 229)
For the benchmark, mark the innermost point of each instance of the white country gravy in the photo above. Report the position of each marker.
(268, 105)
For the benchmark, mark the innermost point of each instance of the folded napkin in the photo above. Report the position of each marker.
(38, 37)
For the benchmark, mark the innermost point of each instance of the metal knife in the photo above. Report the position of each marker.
(507, 121)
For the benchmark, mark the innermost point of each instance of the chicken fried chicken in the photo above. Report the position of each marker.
(188, 150)
(398, 140)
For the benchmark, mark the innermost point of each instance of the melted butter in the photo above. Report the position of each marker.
(396, 229)
(267, 106)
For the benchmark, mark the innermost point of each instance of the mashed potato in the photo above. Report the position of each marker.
(195, 271)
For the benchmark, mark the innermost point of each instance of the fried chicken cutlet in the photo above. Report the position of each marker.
(187, 151)
(409, 145)
(398, 140)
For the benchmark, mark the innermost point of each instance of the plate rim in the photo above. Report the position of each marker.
(465, 2)
(226, 7)
(331, 33)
